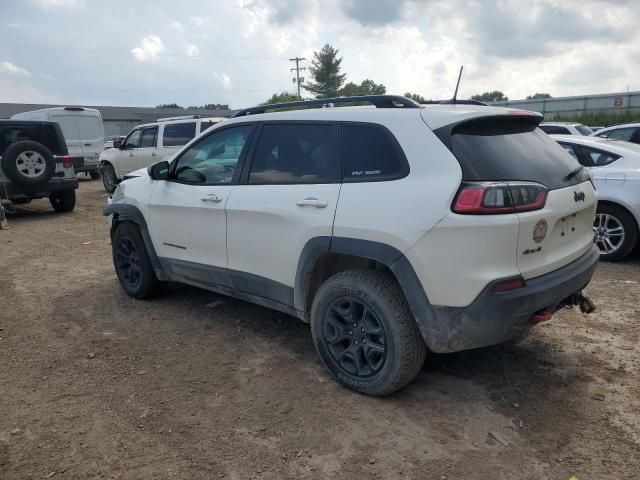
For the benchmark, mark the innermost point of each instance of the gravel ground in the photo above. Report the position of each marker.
(194, 385)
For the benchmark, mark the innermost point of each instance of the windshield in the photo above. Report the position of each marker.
(584, 130)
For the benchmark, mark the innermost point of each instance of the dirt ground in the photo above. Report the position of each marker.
(94, 384)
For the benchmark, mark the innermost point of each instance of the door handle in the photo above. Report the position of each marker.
(212, 197)
(312, 202)
(87, 144)
(154, 154)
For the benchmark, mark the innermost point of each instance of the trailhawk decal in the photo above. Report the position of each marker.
(540, 231)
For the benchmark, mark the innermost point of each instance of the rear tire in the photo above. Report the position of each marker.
(132, 264)
(109, 179)
(365, 333)
(615, 232)
(63, 202)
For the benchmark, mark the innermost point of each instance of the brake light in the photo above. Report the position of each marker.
(508, 285)
(486, 198)
(67, 162)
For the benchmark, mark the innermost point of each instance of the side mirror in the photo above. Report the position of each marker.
(117, 144)
(159, 171)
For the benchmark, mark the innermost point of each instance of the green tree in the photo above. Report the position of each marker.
(168, 105)
(367, 87)
(495, 96)
(538, 96)
(325, 70)
(415, 96)
(282, 97)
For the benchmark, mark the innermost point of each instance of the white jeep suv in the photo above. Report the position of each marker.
(392, 230)
(147, 144)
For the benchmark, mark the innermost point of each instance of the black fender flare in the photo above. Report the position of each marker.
(123, 212)
(387, 255)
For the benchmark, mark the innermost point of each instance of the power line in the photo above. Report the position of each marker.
(297, 69)
(120, 52)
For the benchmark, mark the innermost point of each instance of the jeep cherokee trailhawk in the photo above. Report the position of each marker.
(393, 230)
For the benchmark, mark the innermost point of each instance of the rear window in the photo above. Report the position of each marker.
(90, 127)
(44, 134)
(509, 149)
(177, 134)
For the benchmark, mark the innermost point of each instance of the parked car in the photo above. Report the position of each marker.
(391, 230)
(147, 144)
(110, 141)
(35, 163)
(615, 167)
(629, 132)
(565, 128)
(83, 131)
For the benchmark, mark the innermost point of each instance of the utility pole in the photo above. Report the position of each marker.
(297, 69)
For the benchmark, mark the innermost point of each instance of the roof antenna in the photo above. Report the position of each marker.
(455, 94)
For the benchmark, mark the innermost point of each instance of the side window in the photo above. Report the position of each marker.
(213, 160)
(295, 153)
(133, 140)
(554, 130)
(177, 134)
(369, 155)
(571, 151)
(599, 158)
(206, 124)
(620, 133)
(148, 139)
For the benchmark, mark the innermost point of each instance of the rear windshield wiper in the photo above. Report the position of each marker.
(573, 173)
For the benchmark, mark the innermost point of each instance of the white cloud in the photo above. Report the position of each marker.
(193, 50)
(51, 4)
(11, 69)
(225, 80)
(149, 49)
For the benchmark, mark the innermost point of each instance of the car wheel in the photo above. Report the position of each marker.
(109, 179)
(28, 164)
(132, 264)
(63, 201)
(615, 232)
(94, 174)
(365, 333)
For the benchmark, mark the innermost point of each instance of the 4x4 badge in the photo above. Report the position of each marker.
(578, 196)
(540, 231)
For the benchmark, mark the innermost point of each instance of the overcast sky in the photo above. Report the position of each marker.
(146, 52)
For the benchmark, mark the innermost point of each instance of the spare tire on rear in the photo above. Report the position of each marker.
(28, 164)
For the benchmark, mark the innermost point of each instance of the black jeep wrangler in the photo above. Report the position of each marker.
(35, 163)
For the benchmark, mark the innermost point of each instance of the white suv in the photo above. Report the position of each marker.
(392, 230)
(147, 144)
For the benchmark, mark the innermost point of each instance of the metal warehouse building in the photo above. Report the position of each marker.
(576, 106)
(119, 120)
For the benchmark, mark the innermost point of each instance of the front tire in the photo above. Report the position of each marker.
(63, 202)
(365, 333)
(109, 179)
(132, 264)
(615, 232)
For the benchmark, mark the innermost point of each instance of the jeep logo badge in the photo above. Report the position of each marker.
(540, 231)
(578, 196)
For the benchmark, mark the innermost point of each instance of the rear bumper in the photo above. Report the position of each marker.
(53, 185)
(495, 317)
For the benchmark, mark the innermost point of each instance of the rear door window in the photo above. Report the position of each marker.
(69, 124)
(177, 134)
(508, 149)
(90, 128)
(295, 153)
(371, 154)
(148, 139)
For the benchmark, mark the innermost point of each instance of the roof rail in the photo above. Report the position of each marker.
(454, 102)
(378, 101)
(181, 117)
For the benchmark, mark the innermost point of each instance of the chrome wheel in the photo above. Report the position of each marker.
(608, 233)
(31, 164)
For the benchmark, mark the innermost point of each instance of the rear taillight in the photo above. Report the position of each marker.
(508, 285)
(66, 161)
(486, 198)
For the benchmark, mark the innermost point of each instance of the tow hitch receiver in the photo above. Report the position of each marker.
(582, 301)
